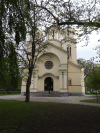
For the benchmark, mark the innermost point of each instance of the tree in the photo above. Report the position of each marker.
(27, 16)
(87, 64)
(9, 70)
(11, 23)
(83, 15)
(94, 79)
(92, 72)
(80, 13)
(37, 45)
(23, 16)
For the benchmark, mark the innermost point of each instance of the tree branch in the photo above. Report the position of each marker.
(95, 24)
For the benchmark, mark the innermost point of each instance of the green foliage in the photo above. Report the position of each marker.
(62, 14)
(92, 74)
(94, 78)
(53, 6)
(13, 12)
(9, 69)
(15, 18)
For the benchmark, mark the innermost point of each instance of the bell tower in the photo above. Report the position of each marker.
(63, 38)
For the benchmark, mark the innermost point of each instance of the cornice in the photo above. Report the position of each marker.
(74, 64)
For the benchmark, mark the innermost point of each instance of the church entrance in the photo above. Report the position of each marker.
(48, 83)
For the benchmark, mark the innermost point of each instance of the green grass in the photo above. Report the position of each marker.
(92, 94)
(2, 93)
(14, 113)
(91, 101)
(8, 94)
(42, 117)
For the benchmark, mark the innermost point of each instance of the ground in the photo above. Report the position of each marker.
(38, 117)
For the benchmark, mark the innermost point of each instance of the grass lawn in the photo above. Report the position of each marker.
(44, 117)
(92, 94)
(91, 101)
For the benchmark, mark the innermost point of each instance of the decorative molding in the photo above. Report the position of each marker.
(74, 64)
(40, 76)
(62, 69)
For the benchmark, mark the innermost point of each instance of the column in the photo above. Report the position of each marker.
(64, 80)
(57, 35)
(60, 79)
(32, 82)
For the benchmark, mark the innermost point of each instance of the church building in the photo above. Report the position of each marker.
(57, 69)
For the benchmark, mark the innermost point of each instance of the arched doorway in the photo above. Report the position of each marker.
(48, 83)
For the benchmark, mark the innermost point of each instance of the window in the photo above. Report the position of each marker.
(69, 50)
(53, 34)
(48, 64)
(69, 82)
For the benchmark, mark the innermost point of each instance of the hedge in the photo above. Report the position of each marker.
(10, 92)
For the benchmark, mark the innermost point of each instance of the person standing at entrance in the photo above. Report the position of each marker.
(49, 89)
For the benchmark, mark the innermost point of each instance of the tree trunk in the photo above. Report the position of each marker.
(27, 92)
(7, 91)
(28, 86)
(97, 97)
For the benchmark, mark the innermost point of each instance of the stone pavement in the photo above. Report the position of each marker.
(68, 99)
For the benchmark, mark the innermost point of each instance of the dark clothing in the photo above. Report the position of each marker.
(49, 89)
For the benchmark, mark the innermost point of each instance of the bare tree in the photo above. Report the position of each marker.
(39, 19)
(83, 15)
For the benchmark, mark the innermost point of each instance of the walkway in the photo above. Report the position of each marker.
(69, 99)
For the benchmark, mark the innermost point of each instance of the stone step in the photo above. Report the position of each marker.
(47, 94)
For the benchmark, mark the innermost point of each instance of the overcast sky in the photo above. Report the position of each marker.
(87, 52)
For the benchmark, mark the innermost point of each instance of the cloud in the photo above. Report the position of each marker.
(87, 52)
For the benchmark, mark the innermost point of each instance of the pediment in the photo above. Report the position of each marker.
(51, 44)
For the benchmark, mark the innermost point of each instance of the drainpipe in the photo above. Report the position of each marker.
(67, 57)
(67, 68)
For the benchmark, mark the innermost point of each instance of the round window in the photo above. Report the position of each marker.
(49, 65)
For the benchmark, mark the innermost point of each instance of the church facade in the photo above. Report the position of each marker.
(57, 69)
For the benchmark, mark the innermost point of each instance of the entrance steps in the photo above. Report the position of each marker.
(51, 94)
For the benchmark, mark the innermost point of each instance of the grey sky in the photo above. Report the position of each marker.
(87, 52)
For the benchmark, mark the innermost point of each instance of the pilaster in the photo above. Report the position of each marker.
(36, 80)
(65, 86)
(60, 79)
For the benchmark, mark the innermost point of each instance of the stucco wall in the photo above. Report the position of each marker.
(58, 56)
(41, 64)
(74, 89)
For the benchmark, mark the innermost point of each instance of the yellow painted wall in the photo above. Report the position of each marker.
(56, 53)
(74, 89)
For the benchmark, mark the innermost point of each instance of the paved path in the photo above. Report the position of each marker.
(69, 99)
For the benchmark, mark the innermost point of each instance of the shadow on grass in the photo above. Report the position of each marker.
(38, 117)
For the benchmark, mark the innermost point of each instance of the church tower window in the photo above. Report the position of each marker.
(53, 34)
(69, 50)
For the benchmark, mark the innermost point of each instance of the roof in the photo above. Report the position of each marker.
(75, 65)
(55, 47)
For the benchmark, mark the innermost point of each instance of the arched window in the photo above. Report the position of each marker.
(69, 50)
(53, 34)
